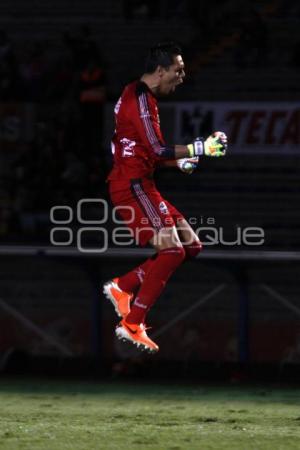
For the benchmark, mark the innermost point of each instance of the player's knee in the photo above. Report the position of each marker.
(193, 249)
(176, 255)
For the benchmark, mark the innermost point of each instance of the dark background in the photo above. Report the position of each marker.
(54, 151)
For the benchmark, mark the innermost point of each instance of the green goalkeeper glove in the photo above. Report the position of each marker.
(215, 145)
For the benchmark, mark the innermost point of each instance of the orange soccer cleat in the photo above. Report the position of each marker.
(136, 333)
(120, 299)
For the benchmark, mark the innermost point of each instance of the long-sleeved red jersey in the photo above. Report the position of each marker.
(137, 144)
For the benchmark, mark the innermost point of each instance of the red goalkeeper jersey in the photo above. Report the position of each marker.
(137, 145)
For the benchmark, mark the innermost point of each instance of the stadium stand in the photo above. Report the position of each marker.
(46, 167)
(244, 191)
(253, 189)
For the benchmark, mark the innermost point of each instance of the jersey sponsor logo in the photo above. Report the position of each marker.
(127, 147)
(163, 208)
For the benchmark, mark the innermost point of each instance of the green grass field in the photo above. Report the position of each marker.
(37, 415)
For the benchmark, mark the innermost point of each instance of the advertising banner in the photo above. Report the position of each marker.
(251, 127)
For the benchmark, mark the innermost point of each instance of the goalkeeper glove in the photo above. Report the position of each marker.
(187, 165)
(214, 145)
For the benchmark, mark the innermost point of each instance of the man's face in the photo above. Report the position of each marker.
(172, 76)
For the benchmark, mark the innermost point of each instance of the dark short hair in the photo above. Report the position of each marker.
(161, 54)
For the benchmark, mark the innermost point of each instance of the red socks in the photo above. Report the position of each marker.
(151, 277)
(132, 280)
(158, 272)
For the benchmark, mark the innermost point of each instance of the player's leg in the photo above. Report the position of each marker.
(131, 281)
(121, 290)
(170, 255)
(189, 239)
(146, 213)
(152, 223)
(172, 244)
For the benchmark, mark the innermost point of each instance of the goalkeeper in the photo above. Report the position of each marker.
(138, 148)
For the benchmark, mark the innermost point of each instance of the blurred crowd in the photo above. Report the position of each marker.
(63, 159)
(67, 81)
(40, 70)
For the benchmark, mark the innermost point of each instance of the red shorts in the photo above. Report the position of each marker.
(142, 208)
